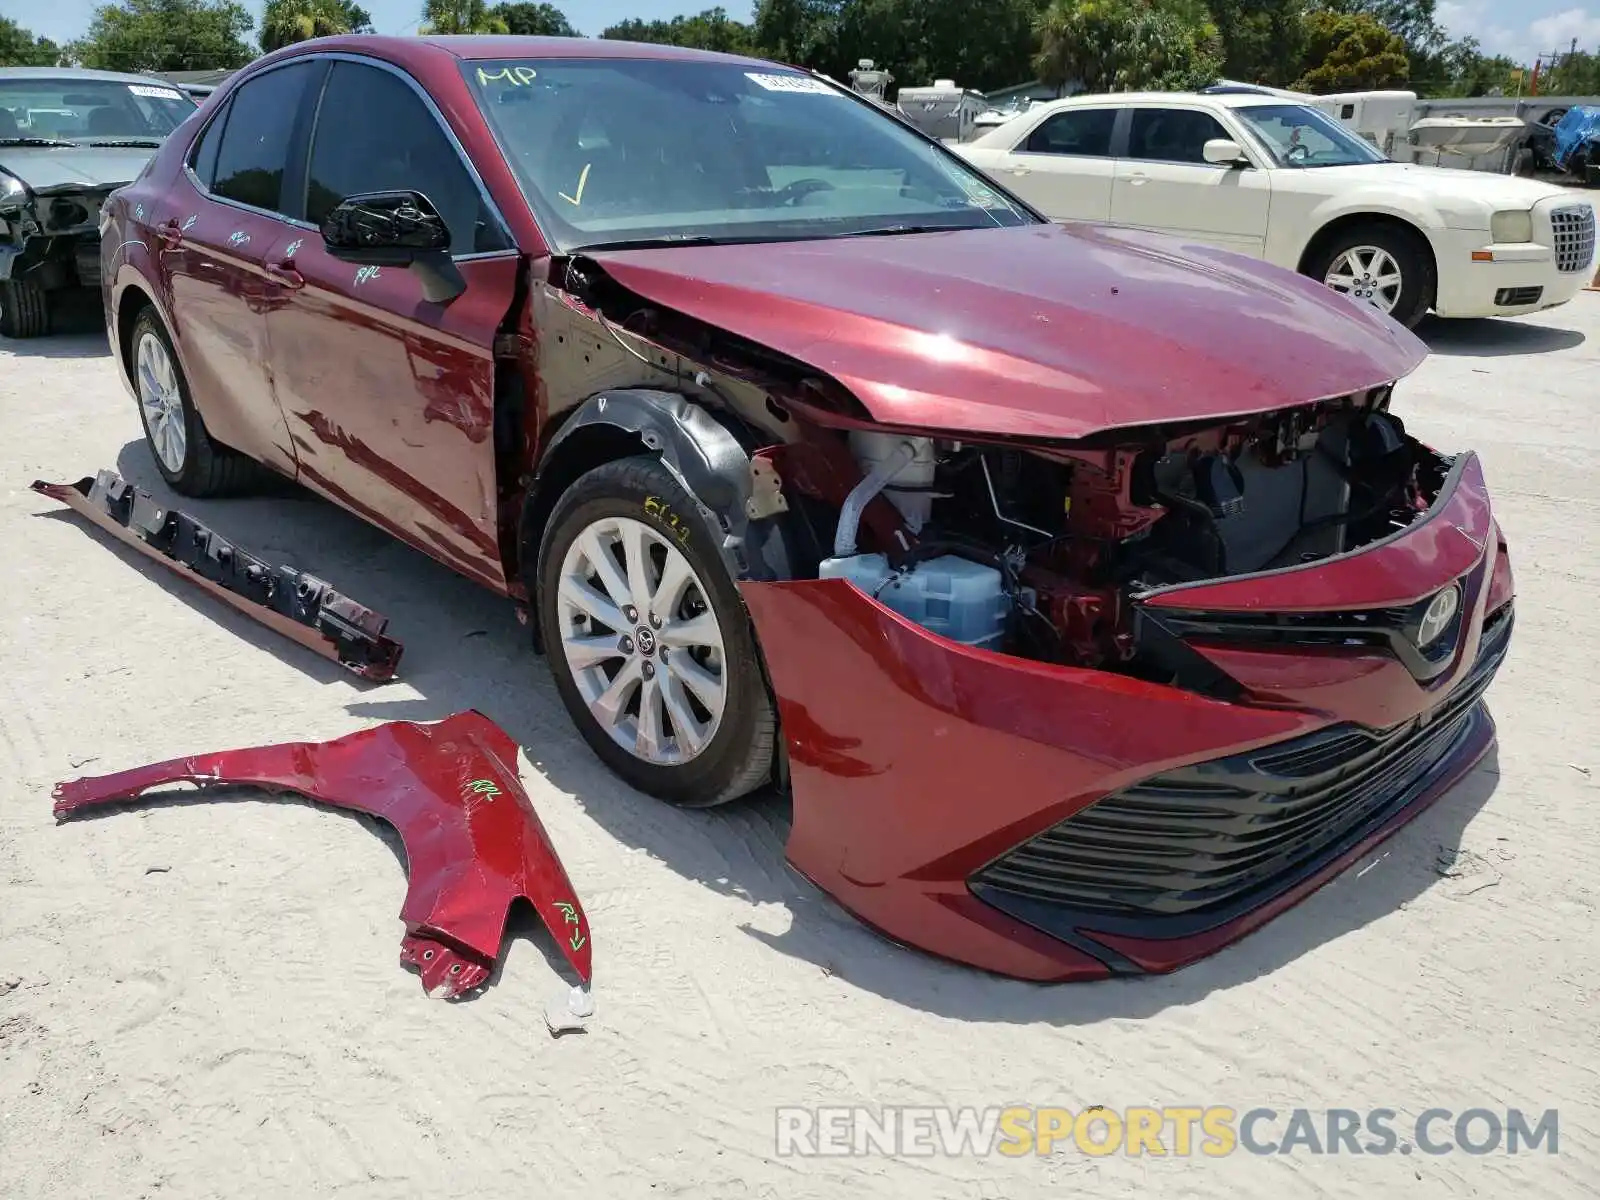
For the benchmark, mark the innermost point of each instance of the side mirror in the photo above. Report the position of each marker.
(1223, 152)
(395, 229)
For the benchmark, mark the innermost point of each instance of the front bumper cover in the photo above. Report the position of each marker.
(922, 786)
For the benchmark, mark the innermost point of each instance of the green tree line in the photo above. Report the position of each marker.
(1096, 45)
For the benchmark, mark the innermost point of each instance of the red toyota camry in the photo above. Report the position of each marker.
(1082, 587)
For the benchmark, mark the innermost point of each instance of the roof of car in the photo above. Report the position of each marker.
(83, 73)
(477, 46)
(1219, 99)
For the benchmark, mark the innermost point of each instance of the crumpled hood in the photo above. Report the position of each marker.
(45, 167)
(1041, 330)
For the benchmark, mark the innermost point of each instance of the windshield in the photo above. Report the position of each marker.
(45, 108)
(1297, 135)
(645, 150)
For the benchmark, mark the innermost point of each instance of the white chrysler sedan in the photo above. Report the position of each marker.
(1279, 180)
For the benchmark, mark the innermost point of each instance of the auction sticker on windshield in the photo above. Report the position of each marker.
(154, 93)
(789, 83)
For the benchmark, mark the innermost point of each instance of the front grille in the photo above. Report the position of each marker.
(1518, 297)
(1223, 836)
(1574, 232)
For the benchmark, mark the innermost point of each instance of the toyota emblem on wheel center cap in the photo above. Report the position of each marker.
(1440, 612)
(644, 637)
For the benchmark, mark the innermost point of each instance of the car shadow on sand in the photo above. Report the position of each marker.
(1494, 337)
(466, 649)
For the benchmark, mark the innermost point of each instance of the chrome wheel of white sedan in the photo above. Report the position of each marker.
(642, 640)
(161, 401)
(1368, 273)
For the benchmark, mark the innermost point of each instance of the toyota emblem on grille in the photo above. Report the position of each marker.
(1441, 611)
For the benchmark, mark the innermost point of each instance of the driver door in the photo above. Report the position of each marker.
(1163, 182)
(390, 397)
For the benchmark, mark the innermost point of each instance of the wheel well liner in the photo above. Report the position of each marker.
(133, 302)
(705, 458)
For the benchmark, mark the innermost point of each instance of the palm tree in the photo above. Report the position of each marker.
(460, 16)
(285, 22)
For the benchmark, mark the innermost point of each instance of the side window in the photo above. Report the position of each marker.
(203, 159)
(1175, 135)
(1083, 131)
(374, 134)
(255, 143)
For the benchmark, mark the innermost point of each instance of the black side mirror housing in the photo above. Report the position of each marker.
(395, 229)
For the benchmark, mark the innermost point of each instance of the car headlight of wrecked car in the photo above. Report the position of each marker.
(1511, 226)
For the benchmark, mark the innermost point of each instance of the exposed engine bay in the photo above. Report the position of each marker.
(1037, 552)
(1035, 549)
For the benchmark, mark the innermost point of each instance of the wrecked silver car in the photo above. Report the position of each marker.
(68, 139)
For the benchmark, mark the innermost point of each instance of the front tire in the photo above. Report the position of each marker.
(24, 309)
(1381, 265)
(187, 457)
(649, 643)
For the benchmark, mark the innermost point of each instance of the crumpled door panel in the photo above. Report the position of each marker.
(473, 841)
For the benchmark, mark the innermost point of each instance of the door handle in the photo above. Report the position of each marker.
(285, 273)
(1019, 170)
(170, 233)
(1139, 180)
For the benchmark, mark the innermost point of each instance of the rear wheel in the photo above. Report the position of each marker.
(649, 643)
(24, 309)
(1380, 265)
(188, 459)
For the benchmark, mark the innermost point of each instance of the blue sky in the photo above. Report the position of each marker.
(1520, 28)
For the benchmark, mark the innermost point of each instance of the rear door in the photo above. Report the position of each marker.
(214, 233)
(1163, 182)
(1064, 167)
(388, 396)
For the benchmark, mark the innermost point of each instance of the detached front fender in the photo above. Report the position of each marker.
(451, 790)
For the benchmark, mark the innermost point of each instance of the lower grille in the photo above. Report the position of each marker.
(1517, 297)
(1574, 235)
(1223, 836)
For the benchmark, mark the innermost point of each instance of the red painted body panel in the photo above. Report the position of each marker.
(213, 271)
(473, 840)
(1039, 330)
(390, 399)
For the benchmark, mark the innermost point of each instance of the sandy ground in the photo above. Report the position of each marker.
(204, 1000)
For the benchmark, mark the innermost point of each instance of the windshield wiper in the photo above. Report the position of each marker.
(125, 142)
(892, 230)
(654, 243)
(34, 141)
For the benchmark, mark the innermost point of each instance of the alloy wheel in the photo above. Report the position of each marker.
(642, 641)
(162, 402)
(1368, 273)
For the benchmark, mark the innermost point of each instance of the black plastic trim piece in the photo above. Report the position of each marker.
(297, 605)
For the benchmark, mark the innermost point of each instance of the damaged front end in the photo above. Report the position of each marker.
(49, 242)
(451, 790)
(1064, 696)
